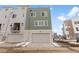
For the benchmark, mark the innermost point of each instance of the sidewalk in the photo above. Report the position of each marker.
(74, 44)
(45, 50)
(40, 45)
(37, 48)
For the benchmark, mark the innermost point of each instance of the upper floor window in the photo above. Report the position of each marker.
(68, 36)
(0, 26)
(16, 26)
(46, 23)
(76, 22)
(5, 16)
(40, 23)
(77, 28)
(23, 15)
(6, 9)
(44, 14)
(35, 23)
(66, 29)
(14, 16)
(33, 14)
(23, 8)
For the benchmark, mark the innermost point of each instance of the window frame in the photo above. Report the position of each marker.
(45, 13)
(40, 22)
(14, 16)
(77, 28)
(34, 14)
(0, 26)
(13, 28)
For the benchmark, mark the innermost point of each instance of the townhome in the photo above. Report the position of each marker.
(13, 23)
(39, 25)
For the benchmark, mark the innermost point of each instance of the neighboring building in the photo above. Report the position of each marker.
(75, 23)
(39, 25)
(12, 23)
(68, 30)
(24, 24)
(71, 29)
(55, 36)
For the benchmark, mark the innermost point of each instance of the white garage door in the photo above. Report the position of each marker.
(15, 38)
(40, 37)
(1, 37)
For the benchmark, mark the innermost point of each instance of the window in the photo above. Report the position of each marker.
(68, 36)
(16, 27)
(75, 22)
(35, 23)
(77, 28)
(23, 8)
(78, 22)
(23, 15)
(66, 29)
(6, 9)
(14, 16)
(0, 26)
(44, 13)
(40, 23)
(46, 23)
(33, 14)
(5, 16)
(30, 10)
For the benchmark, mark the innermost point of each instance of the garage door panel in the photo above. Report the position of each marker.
(1, 38)
(15, 38)
(40, 37)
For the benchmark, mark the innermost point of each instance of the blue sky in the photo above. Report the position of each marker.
(59, 13)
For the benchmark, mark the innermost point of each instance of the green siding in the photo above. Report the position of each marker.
(30, 20)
